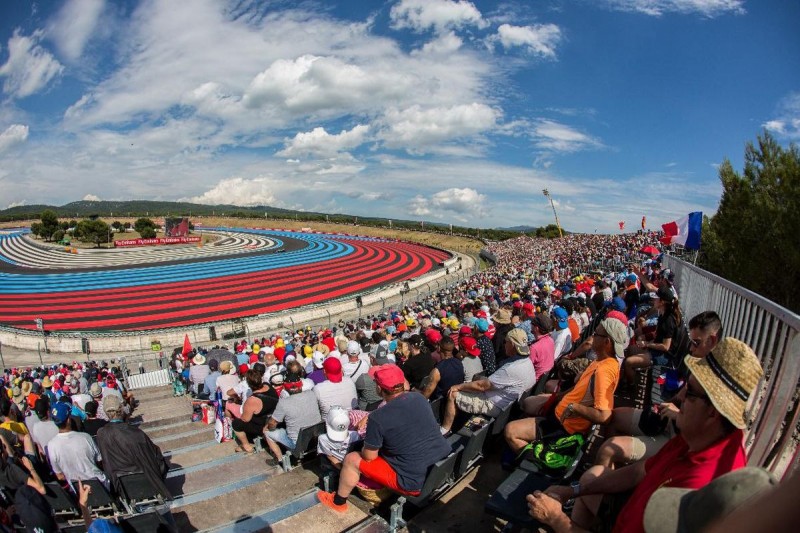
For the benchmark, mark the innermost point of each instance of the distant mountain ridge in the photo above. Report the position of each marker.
(155, 208)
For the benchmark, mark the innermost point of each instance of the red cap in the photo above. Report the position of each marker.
(469, 345)
(280, 353)
(619, 315)
(387, 377)
(480, 314)
(243, 368)
(333, 369)
(433, 336)
(254, 358)
(465, 330)
(528, 307)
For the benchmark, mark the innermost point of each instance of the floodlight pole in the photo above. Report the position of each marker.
(547, 195)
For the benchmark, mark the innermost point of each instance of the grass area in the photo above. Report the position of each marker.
(449, 242)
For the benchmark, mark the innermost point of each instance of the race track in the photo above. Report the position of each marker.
(251, 271)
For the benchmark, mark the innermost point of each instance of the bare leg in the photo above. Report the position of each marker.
(274, 448)
(519, 433)
(586, 507)
(449, 411)
(532, 405)
(633, 362)
(350, 474)
(242, 439)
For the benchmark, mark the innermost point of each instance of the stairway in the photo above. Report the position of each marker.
(218, 490)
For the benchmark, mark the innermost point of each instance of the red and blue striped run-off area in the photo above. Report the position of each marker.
(246, 273)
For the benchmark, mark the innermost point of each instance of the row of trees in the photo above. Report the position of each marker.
(90, 229)
(752, 239)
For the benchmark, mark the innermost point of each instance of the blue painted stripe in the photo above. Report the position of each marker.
(319, 249)
(219, 490)
(263, 520)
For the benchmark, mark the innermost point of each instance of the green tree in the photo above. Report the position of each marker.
(145, 227)
(36, 229)
(58, 235)
(49, 224)
(95, 231)
(127, 226)
(117, 225)
(752, 239)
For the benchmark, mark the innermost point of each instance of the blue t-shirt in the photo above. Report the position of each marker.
(451, 372)
(407, 437)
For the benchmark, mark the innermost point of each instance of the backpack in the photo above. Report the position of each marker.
(555, 457)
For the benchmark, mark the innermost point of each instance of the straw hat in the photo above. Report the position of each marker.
(27, 387)
(199, 359)
(729, 375)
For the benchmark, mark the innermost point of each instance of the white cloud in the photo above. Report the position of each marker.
(418, 129)
(74, 25)
(238, 191)
(460, 203)
(538, 39)
(439, 15)
(556, 137)
(707, 8)
(320, 143)
(787, 123)
(29, 67)
(12, 136)
(16, 204)
(91, 198)
(444, 44)
(311, 84)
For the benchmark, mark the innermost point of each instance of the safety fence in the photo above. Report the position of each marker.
(772, 332)
(157, 378)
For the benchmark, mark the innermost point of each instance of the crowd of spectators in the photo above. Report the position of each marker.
(64, 424)
(585, 312)
(570, 317)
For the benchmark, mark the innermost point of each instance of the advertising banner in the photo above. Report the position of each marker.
(156, 242)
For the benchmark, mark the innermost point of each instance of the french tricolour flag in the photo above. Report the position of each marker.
(685, 231)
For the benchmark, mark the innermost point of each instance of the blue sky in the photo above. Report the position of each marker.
(454, 111)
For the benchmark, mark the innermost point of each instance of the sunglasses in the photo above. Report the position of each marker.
(694, 394)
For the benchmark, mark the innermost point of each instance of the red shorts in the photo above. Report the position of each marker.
(380, 471)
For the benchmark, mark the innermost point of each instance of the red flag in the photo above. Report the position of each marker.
(621, 225)
(187, 346)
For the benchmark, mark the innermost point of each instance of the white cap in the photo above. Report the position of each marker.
(353, 348)
(318, 358)
(337, 424)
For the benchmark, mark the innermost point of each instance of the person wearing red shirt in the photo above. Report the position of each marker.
(710, 443)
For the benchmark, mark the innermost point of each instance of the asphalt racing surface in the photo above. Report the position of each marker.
(286, 270)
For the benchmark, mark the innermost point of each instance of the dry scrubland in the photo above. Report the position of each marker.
(460, 244)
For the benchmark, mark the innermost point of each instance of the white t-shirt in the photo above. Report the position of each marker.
(330, 394)
(353, 370)
(75, 455)
(563, 341)
(42, 432)
(510, 381)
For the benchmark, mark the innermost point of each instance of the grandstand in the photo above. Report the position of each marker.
(214, 488)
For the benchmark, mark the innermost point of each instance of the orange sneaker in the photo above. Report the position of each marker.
(326, 499)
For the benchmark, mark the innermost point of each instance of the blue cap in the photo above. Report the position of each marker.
(632, 278)
(561, 316)
(617, 304)
(59, 412)
(482, 325)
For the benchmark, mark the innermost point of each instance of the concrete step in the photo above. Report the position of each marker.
(188, 432)
(175, 443)
(230, 506)
(183, 425)
(192, 457)
(185, 481)
(303, 513)
(148, 425)
(153, 392)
